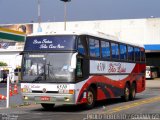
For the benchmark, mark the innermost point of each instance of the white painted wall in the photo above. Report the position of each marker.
(143, 31)
(12, 59)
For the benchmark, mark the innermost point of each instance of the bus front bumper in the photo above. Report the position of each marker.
(49, 98)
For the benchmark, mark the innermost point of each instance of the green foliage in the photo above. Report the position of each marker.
(3, 63)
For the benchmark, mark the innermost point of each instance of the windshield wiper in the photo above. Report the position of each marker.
(38, 78)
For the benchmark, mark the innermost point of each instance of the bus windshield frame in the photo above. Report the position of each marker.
(35, 56)
(44, 68)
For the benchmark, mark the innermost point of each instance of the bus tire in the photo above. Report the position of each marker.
(125, 97)
(90, 98)
(47, 106)
(132, 92)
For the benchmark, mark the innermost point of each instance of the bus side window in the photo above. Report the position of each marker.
(91, 47)
(130, 53)
(137, 53)
(94, 47)
(82, 68)
(123, 52)
(105, 49)
(79, 71)
(97, 51)
(81, 47)
(115, 51)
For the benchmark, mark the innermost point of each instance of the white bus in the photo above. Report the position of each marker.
(80, 68)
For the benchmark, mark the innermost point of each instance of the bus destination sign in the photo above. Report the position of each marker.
(50, 43)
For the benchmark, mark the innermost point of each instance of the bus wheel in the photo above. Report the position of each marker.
(125, 97)
(47, 106)
(133, 92)
(90, 98)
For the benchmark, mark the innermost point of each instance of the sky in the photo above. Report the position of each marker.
(25, 11)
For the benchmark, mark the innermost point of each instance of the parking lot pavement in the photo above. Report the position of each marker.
(15, 100)
(3, 85)
(153, 83)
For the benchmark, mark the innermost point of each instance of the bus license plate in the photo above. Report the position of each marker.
(45, 98)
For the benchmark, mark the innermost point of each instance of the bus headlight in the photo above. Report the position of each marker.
(25, 98)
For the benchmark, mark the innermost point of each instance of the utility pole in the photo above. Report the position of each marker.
(65, 12)
(39, 17)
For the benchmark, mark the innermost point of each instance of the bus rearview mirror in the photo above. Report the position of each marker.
(74, 61)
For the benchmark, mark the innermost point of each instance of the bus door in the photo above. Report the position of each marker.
(82, 70)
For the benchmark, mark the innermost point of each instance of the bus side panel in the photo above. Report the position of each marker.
(140, 85)
(104, 89)
(110, 86)
(141, 80)
(100, 94)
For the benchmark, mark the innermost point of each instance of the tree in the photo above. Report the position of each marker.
(3, 63)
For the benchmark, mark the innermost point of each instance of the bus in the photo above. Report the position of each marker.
(80, 68)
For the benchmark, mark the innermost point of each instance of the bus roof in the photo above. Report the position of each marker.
(90, 33)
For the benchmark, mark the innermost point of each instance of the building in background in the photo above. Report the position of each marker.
(25, 28)
(11, 44)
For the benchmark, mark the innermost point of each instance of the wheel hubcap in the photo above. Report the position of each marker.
(127, 92)
(133, 92)
(90, 98)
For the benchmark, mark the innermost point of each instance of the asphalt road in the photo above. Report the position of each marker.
(145, 106)
(15, 99)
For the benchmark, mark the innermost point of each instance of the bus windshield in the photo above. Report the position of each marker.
(47, 67)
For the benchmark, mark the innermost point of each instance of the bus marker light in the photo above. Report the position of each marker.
(71, 91)
(24, 90)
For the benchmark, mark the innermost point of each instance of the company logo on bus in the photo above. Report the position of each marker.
(116, 68)
(44, 90)
(101, 67)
